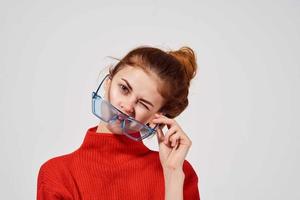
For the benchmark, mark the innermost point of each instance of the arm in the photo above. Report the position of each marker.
(181, 184)
(174, 180)
(180, 178)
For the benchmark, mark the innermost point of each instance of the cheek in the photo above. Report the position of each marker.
(114, 96)
(142, 115)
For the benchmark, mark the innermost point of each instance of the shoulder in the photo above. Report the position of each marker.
(191, 190)
(189, 171)
(52, 163)
(52, 179)
(52, 170)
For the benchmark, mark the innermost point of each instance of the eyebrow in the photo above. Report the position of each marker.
(129, 86)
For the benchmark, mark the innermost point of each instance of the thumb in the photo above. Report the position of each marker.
(160, 135)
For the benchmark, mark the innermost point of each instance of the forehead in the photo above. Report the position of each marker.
(144, 84)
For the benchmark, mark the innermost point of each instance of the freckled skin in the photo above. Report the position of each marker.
(144, 86)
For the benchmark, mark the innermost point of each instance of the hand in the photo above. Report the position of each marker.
(174, 145)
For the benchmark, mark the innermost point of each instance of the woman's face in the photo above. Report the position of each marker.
(135, 92)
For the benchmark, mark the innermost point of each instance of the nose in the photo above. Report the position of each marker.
(127, 108)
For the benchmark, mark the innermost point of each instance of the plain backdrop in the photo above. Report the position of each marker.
(243, 116)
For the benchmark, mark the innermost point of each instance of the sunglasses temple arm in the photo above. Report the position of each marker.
(101, 83)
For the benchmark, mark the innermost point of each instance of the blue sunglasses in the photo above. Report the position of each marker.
(108, 113)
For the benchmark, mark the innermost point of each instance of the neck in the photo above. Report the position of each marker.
(112, 149)
(102, 128)
(106, 128)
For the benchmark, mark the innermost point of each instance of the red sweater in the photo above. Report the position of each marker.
(109, 166)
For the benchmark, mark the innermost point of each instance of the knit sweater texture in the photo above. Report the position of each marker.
(109, 166)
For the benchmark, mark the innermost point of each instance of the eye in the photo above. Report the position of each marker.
(123, 88)
(144, 105)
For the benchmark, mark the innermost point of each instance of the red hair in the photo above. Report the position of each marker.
(174, 68)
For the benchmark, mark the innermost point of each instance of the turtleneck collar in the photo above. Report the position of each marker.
(109, 143)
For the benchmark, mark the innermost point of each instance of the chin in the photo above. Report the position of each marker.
(115, 128)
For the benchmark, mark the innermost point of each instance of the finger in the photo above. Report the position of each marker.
(164, 120)
(182, 149)
(170, 132)
(174, 139)
(180, 137)
(184, 144)
(160, 135)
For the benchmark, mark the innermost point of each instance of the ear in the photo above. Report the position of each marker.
(107, 84)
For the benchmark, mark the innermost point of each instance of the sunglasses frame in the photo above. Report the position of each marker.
(125, 117)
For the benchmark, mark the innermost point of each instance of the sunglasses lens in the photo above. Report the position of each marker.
(106, 112)
(136, 129)
(102, 109)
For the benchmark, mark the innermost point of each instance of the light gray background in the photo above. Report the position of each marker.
(244, 103)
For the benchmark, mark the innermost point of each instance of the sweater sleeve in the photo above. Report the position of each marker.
(190, 187)
(49, 185)
(44, 194)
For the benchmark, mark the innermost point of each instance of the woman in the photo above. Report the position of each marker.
(146, 90)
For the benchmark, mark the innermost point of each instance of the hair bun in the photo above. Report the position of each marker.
(186, 56)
